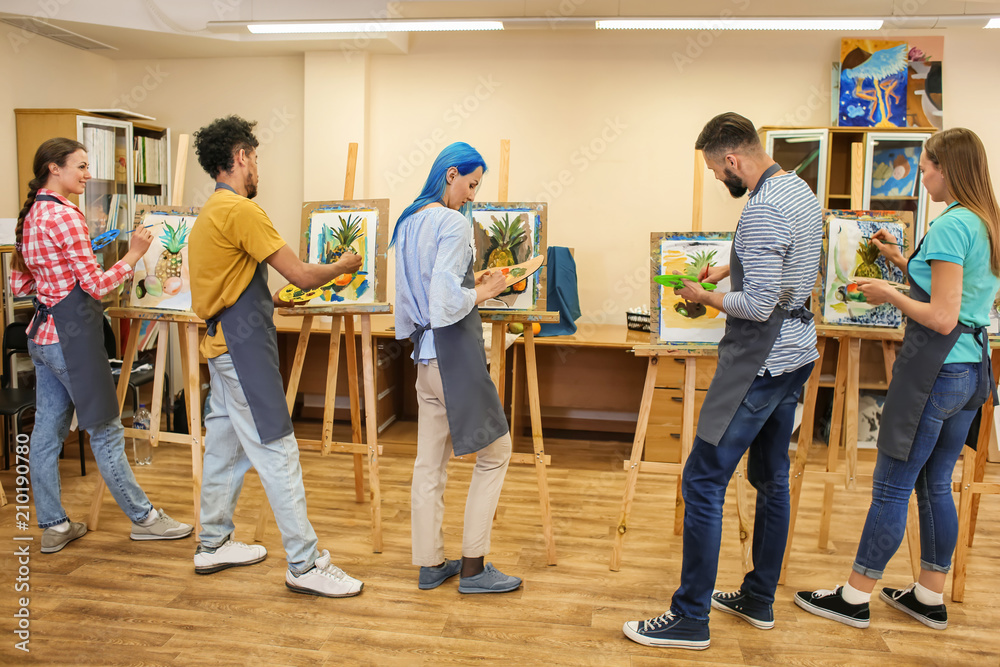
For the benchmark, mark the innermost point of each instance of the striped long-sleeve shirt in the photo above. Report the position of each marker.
(778, 241)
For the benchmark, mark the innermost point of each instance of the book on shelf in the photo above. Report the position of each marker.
(149, 156)
(100, 144)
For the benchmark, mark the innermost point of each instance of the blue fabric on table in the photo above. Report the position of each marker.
(562, 294)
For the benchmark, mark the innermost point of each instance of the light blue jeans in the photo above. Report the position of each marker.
(53, 414)
(232, 446)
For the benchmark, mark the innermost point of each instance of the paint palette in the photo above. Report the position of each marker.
(518, 272)
(293, 294)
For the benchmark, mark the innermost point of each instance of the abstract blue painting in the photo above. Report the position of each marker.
(873, 77)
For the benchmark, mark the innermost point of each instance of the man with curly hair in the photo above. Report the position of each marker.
(231, 244)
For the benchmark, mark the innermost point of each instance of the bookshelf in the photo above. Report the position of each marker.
(129, 163)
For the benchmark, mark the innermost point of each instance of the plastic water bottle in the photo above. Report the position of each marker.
(142, 448)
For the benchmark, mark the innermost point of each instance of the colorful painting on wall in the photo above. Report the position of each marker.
(848, 255)
(506, 234)
(161, 280)
(895, 170)
(673, 320)
(330, 229)
(873, 76)
(925, 104)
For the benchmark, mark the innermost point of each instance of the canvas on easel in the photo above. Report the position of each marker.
(847, 255)
(332, 228)
(674, 321)
(162, 280)
(506, 234)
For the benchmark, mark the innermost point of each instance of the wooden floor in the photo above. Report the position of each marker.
(105, 600)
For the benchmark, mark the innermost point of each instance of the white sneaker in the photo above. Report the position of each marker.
(325, 579)
(230, 554)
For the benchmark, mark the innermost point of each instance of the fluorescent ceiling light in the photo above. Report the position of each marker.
(740, 24)
(993, 23)
(371, 26)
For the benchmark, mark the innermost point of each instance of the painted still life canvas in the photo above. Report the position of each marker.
(673, 320)
(848, 255)
(161, 280)
(330, 229)
(506, 234)
(873, 78)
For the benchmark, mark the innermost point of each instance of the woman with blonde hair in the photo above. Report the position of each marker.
(941, 378)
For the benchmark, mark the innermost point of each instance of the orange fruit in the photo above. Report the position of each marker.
(536, 327)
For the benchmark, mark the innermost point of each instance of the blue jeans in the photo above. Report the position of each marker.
(53, 414)
(232, 446)
(940, 436)
(763, 424)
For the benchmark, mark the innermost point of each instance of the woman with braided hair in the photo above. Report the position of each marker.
(53, 257)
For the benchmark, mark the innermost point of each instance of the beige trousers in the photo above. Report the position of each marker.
(430, 473)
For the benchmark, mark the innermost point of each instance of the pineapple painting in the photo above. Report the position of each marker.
(506, 234)
(338, 241)
(695, 264)
(168, 266)
(867, 254)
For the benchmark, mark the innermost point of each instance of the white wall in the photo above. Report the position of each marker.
(602, 125)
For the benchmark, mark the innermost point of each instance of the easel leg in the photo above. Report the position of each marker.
(182, 336)
(833, 447)
(498, 351)
(633, 469)
(743, 514)
(517, 389)
(194, 415)
(687, 437)
(159, 370)
(123, 379)
(534, 405)
(352, 385)
(330, 399)
(802, 451)
(965, 496)
(982, 448)
(851, 413)
(371, 425)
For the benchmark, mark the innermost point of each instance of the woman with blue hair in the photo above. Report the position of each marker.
(437, 299)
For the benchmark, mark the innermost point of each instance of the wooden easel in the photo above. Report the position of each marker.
(843, 430)
(498, 355)
(972, 487)
(357, 446)
(187, 330)
(635, 464)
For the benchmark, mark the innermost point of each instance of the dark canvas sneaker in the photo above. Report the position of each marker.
(230, 554)
(669, 631)
(54, 540)
(324, 579)
(490, 580)
(904, 599)
(162, 528)
(432, 577)
(756, 613)
(832, 605)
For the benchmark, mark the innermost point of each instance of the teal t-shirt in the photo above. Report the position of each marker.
(959, 236)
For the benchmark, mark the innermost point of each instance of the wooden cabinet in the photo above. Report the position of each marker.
(846, 166)
(666, 417)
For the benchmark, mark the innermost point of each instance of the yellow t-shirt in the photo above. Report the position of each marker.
(230, 237)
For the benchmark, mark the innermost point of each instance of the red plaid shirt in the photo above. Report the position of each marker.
(56, 249)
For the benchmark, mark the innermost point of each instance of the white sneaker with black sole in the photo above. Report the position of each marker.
(324, 579)
(832, 605)
(230, 554)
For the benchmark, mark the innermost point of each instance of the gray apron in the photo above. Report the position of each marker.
(475, 414)
(743, 350)
(253, 346)
(914, 373)
(79, 321)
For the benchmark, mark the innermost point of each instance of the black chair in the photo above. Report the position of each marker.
(137, 378)
(13, 401)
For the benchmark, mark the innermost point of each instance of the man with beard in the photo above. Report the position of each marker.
(765, 356)
(230, 246)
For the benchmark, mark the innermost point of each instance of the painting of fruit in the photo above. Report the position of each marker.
(333, 229)
(867, 254)
(161, 278)
(174, 239)
(679, 321)
(505, 235)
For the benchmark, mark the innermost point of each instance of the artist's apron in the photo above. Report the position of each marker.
(914, 373)
(475, 414)
(79, 321)
(743, 350)
(253, 346)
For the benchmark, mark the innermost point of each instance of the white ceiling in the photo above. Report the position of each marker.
(183, 28)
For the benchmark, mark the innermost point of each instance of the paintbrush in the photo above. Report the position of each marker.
(901, 245)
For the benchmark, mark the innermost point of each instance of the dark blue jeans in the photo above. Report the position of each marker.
(763, 424)
(940, 436)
